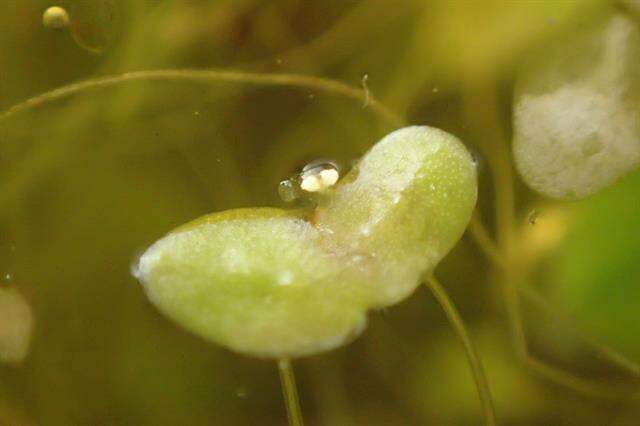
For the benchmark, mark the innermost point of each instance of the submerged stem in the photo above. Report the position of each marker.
(479, 233)
(290, 392)
(474, 360)
(229, 76)
(503, 253)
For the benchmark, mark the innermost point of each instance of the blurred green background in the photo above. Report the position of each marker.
(88, 182)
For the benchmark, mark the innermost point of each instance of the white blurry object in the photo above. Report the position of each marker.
(577, 112)
(16, 326)
(55, 17)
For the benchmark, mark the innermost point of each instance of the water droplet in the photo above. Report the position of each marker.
(316, 177)
(319, 175)
(288, 191)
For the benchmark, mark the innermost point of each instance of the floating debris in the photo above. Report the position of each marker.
(367, 93)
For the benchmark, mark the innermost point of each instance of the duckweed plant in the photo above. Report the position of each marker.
(289, 283)
(283, 284)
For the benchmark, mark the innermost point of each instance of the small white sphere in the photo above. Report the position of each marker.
(318, 176)
(329, 177)
(55, 17)
(311, 183)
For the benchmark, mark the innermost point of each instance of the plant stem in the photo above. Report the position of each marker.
(482, 108)
(10, 189)
(228, 76)
(474, 360)
(290, 392)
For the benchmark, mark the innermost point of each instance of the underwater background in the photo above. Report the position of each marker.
(89, 180)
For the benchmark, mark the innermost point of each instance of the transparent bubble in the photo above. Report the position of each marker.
(319, 165)
(315, 177)
(288, 190)
(319, 175)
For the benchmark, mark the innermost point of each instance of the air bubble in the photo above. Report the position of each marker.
(93, 25)
(288, 190)
(316, 177)
(319, 175)
(55, 18)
